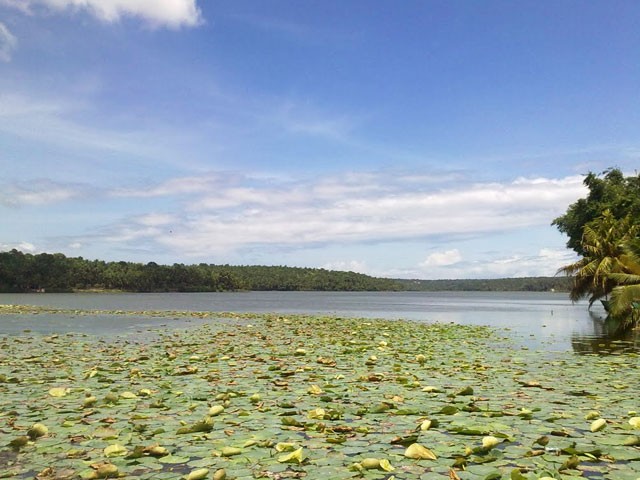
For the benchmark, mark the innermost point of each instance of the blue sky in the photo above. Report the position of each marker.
(416, 139)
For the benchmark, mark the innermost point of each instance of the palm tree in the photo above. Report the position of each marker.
(602, 241)
(624, 305)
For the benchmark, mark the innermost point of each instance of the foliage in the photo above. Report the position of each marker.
(602, 242)
(610, 191)
(23, 272)
(604, 229)
(624, 305)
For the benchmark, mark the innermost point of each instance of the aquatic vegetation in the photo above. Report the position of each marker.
(273, 396)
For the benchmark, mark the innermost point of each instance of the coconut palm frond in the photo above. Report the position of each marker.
(573, 268)
(623, 298)
(611, 247)
(625, 278)
(581, 288)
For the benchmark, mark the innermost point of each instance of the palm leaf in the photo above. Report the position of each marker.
(622, 300)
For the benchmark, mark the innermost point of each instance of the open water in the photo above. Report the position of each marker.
(536, 320)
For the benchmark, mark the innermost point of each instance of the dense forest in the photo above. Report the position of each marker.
(25, 272)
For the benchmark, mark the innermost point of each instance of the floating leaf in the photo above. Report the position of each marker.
(598, 425)
(59, 391)
(373, 464)
(317, 413)
(205, 425)
(173, 459)
(19, 442)
(285, 447)
(230, 451)
(370, 463)
(157, 451)
(115, 450)
(198, 474)
(255, 398)
(315, 390)
(490, 441)
(419, 452)
(635, 422)
(468, 390)
(570, 464)
(105, 470)
(632, 441)
(431, 389)
(37, 430)
(449, 410)
(216, 410)
(297, 456)
(220, 474)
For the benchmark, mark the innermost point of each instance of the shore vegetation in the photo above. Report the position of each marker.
(604, 229)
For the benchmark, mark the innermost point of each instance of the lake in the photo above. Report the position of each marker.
(537, 320)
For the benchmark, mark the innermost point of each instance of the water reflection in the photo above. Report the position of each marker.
(605, 340)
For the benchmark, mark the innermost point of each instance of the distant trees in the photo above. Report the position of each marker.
(604, 229)
(23, 272)
(519, 284)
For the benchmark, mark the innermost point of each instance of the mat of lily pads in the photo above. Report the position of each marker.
(269, 396)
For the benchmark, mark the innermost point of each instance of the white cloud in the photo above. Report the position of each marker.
(214, 217)
(168, 13)
(175, 186)
(38, 192)
(25, 247)
(439, 259)
(347, 266)
(8, 43)
(543, 263)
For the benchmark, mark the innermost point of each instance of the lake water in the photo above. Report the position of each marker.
(537, 320)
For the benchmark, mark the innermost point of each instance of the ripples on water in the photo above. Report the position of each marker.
(537, 320)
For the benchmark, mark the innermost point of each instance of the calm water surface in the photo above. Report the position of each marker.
(537, 320)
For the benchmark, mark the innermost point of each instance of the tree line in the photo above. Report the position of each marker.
(519, 284)
(25, 272)
(604, 229)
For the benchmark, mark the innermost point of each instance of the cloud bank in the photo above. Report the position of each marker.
(158, 13)
(227, 215)
(223, 213)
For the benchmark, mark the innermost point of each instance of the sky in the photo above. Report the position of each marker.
(416, 139)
